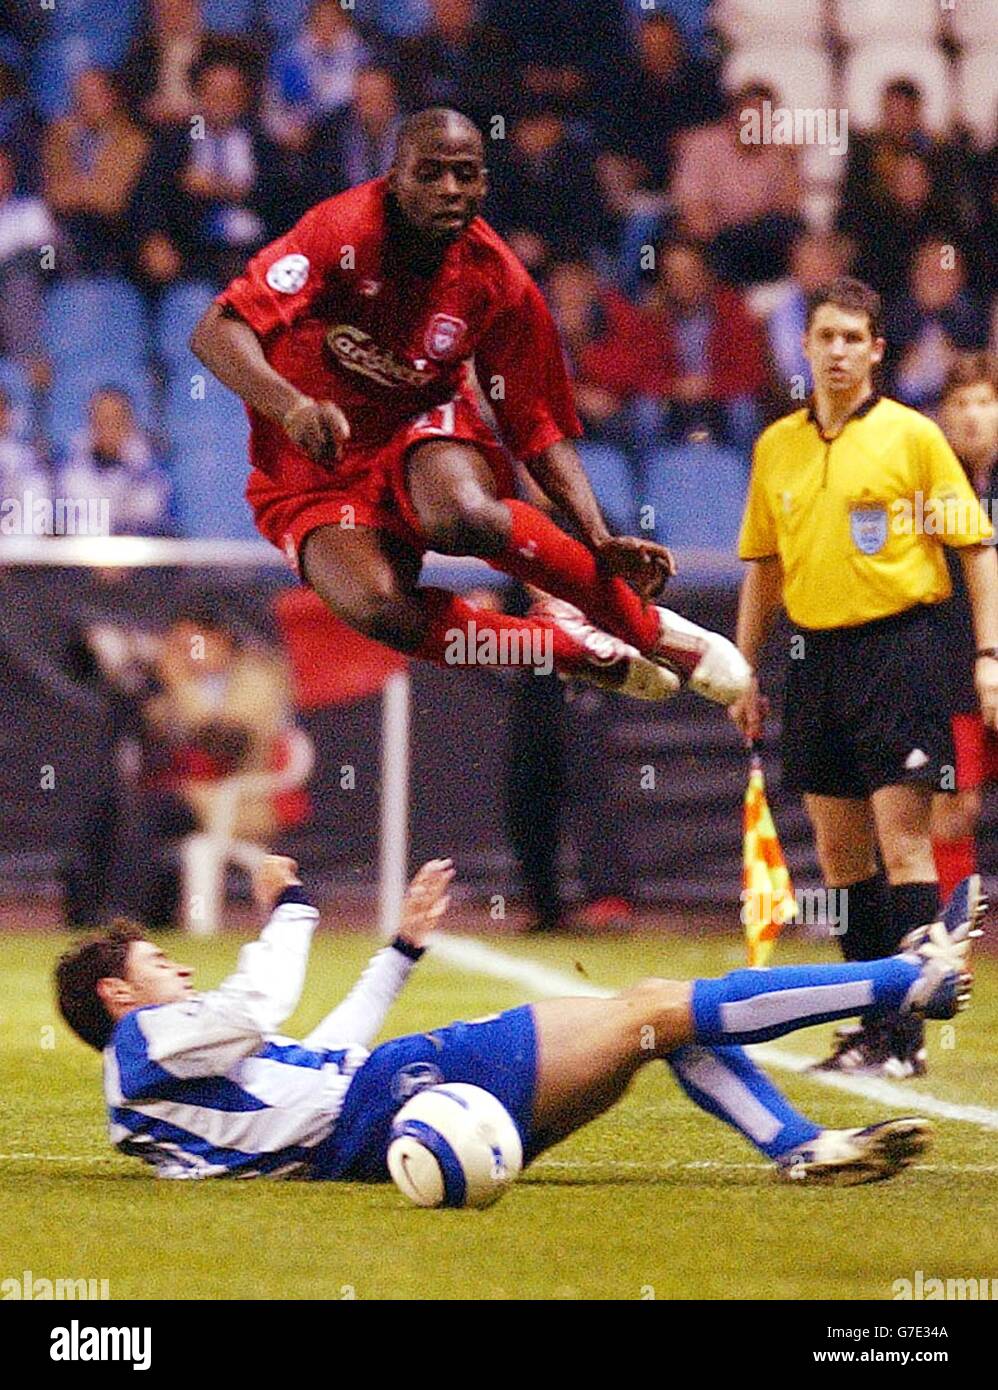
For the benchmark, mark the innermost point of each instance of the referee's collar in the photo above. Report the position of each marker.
(863, 409)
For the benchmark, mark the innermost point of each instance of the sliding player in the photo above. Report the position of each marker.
(203, 1086)
(350, 340)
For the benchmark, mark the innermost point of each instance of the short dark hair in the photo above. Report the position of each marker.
(432, 119)
(903, 87)
(846, 293)
(78, 971)
(971, 369)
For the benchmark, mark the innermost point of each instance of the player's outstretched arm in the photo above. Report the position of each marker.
(359, 1018)
(231, 349)
(207, 1034)
(558, 471)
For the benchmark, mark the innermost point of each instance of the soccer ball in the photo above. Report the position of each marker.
(454, 1146)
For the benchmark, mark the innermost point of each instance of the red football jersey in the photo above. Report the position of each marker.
(344, 319)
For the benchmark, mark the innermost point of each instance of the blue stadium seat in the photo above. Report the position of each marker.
(96, 19)
(201, 411)
(179, 310)
(285, 18)
(228, 16)
(57, 62)
(100, 317)
(403, 18)
(613, 482)
(698, 492)
(209, 484)
(75, 382)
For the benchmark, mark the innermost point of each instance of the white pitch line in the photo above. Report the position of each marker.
(475, 957)
(611, 1165)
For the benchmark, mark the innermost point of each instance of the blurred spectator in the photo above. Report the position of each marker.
(357, 143)
(458, 62)
(20, 129)
(184, 712)
(666, 92)
(817, 258)
(740, 200)
(569, 53)
(558, 762)
(159, 70)
(223, 703)
(926, 327)
(904, 208)
(547, 187)
(901, 130)
(314, 75)
(695, 354)
(21, 470)
(112, 459)
(25, 227)
(92, 160)
(596, 327)
(209, 196)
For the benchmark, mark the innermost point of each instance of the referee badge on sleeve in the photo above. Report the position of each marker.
(868, 527)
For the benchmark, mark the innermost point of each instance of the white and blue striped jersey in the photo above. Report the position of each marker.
(207, 1087)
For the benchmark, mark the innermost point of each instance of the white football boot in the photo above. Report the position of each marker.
(703, 660)
(609, 662)
(847, 1157)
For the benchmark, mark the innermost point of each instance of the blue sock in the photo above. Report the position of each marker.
(754, 1005)
(726, 1083)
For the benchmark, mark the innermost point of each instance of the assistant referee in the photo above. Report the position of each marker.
(850, 503)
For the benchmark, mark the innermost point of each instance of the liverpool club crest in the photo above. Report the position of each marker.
(444, 336)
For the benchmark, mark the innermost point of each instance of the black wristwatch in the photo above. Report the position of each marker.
(988, 651)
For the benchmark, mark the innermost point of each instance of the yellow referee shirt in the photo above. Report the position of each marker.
(858, 521)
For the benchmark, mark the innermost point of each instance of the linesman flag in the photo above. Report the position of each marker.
(767, 893)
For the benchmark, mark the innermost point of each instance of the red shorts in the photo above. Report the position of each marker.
(976, 752)
(368, 486)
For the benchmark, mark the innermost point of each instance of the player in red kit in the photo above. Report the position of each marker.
(350, 339)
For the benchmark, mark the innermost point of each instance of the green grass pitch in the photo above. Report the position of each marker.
(656, 1200)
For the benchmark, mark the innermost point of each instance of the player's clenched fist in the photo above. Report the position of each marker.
(426, 901)
(318, 427)
(644, 564)
(272, 875)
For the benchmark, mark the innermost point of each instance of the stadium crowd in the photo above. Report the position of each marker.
(145, 153)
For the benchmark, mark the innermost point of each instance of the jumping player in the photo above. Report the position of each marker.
(201, 1085)
(969, 417)
(350, 339)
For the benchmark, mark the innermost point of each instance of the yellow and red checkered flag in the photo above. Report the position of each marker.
(767, 893)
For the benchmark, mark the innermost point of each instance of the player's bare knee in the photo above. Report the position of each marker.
(656, 1016)
(390, 619)
(472, 527)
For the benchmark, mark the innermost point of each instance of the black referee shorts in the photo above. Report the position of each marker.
(867, 706)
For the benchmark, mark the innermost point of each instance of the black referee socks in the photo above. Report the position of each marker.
(869, 920)
(912, 905)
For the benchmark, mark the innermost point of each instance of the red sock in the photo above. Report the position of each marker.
(449, 615)
(542, 554)
(955, 860)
